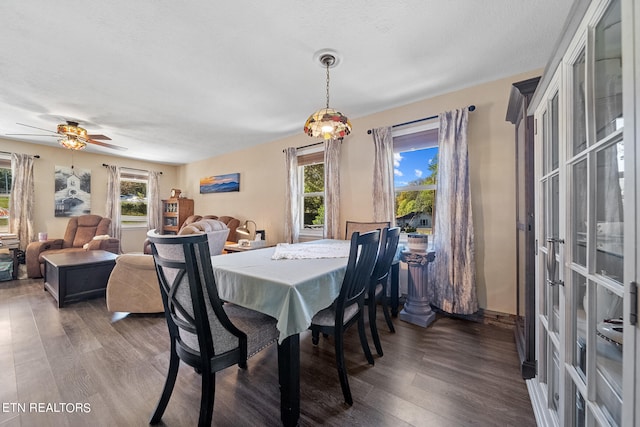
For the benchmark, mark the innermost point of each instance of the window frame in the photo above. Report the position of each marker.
(404, 131)
(307, 157)
(134, 175)
(5, 163)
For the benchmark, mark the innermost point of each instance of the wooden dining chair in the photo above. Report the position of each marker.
(363, 227)
(348, 308)
(204, 333)
(377, 292)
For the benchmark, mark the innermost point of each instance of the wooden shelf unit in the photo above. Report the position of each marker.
(174, 212)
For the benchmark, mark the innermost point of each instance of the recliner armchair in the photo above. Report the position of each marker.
(79, 236)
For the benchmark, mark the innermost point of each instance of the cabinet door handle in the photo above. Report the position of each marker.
(551, 261)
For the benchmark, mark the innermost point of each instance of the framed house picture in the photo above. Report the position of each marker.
(72, 191)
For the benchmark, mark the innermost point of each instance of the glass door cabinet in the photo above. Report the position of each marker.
(586, 225)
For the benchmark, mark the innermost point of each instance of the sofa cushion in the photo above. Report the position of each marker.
(83, 228)
(136, 261)
(216, 231)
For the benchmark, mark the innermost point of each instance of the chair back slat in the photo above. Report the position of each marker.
(389, 239)
(362, 257)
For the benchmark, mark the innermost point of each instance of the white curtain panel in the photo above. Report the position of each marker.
(454, 270)
(383, 191)
(113, 200)
(332, 188)
(154, 207)
(292, 197)
(22, 199)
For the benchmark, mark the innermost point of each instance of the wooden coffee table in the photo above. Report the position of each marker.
(76, 276)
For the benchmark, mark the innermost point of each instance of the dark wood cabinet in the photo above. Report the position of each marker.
(174, 212)
(520, 97)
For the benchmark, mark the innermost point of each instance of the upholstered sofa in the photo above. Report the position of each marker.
(231, 223)
(85, 232)
(133, 284)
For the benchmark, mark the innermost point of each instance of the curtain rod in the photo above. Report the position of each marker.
(311, 145)
(37, 156)
(307, 146)
(471, 108)
(126, 167)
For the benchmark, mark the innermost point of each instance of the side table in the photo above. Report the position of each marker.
(75, 276)
(13, 247)
(417, 309)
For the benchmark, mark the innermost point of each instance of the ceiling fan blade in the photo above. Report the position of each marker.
(32, 134)
(104, 144)
(99, 137)
(29, 126)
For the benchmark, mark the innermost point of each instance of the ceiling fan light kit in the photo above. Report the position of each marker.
(327, 123)
(74, 136)
(72, 142)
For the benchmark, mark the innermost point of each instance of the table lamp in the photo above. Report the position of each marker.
(243, 231)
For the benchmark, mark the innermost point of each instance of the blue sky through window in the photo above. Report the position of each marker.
(409, 166)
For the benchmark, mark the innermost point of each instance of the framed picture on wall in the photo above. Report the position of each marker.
(72, 191)
(220, 183)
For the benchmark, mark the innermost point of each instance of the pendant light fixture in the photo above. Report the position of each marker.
(327, 123)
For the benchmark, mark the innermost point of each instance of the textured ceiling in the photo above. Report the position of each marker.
(176, 81)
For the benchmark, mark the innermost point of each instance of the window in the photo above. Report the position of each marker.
(5, 192)
(415, 170)
(133, 198)
(311, 170)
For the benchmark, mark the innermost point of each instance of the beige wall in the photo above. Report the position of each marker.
(262, 178)
(43, 172)
(491, 152)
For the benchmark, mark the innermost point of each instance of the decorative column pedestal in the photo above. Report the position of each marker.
(417, 309)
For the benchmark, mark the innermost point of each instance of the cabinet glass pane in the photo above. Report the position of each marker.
(608, 72)
(554, 228)
(554, 133)
(609, 353)
(544, 214)
(579, 106)
(545, 144)
(542, 368)
(609, 211)
(579, 213)
(543, 286)
(554, 310)
(554, 214)
(579, 319)
(554, 383)
(580, 409)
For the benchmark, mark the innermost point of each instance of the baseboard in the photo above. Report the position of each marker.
(487, 317)
(497, 318)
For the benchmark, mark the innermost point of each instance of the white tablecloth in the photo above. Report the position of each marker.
(290, 290)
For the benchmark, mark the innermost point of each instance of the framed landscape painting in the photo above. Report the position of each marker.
(220, 183)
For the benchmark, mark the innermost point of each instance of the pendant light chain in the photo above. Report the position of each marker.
(327, 63)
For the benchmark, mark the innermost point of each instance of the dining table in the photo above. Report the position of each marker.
(291, 283)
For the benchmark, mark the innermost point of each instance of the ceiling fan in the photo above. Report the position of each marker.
(72, 136)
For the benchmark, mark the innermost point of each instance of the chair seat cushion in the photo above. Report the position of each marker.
(378, 291)
(327, 317)
(260, 329)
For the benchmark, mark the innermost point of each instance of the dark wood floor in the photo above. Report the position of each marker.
(454, 373)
